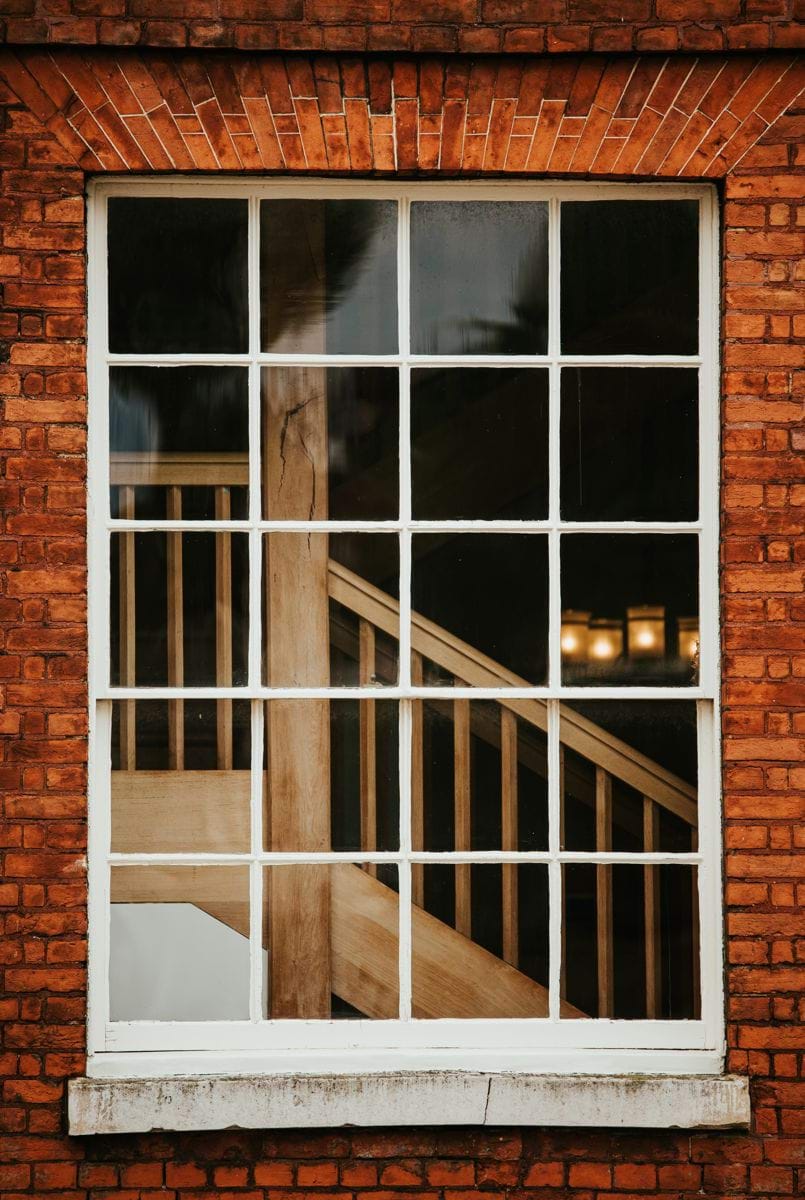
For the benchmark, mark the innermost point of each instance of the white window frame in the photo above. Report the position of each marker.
(541, 1044)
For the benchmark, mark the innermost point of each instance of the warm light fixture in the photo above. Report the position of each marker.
(575, 635)
(606, 640)
(688, 632)
(646, 625)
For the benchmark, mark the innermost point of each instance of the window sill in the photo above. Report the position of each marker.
(276, 1101)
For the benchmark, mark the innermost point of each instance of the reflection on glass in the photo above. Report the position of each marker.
(328, 276)
(631, 943)
(501, 418)
(180, 776)
(629, 775)
(630, 277)
(468, 917)
(479, 277)
(484, 777)
(179, 943)
(489, 591)
(629, 444)
(331, 611)
(638, 587)
(179, 442)
(177, 276)
(331, 931)
(179, 608)
(343, 796)
(330, 443)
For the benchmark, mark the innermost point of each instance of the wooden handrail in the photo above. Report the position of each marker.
(468, 664)
(158, 468)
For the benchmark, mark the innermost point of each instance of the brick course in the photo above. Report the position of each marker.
(68, 113)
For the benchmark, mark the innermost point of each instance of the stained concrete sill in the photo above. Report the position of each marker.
(294, 1101)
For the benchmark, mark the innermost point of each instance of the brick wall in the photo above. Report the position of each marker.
(62, 115)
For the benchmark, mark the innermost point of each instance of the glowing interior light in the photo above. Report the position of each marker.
(688, 637)
(646, 631)
(606, 640)
(574, 636)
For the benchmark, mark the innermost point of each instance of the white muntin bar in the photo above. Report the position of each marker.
(558, 1036)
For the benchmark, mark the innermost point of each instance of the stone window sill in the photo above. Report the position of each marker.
(276, 1101)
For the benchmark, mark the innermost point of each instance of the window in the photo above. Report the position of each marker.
(404, 658)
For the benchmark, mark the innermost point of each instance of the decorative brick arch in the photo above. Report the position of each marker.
(623, 116)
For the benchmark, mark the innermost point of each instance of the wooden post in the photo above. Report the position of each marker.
(603, 905)
(175, 632)
(127, 602)
(297, 653)
(651, 907)
(509, 833)
(462, 815)
(223, 629)
(368, 743)
(417, 783)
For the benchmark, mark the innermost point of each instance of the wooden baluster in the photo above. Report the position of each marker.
(509, 833)
(461, 808)
(128, 631)
(175, 632)
(223, 629)
(651, 905)
(417, 783)
(368, 742)
(603, 907)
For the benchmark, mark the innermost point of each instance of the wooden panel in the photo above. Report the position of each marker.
(603, 905)
(462, 812)
(175, 631)
(367, 743)
(297, 651)
(127, 619)
(509, 831)
(651, 906)
(157, 812)
(223, 629)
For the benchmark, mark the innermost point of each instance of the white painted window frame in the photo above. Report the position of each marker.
(549, 1044)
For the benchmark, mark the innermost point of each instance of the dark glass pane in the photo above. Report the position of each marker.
(479, 277)
(491, 592)
(634, 763)
(331, 443)
(630, 608)
(629, 444)
(177, 276)
(328, 276)
(501, 418)
(331, 612)
(498, 797)
(503, 909)
(651, 941)
(180, 609)
(630, 277)
(179, 428)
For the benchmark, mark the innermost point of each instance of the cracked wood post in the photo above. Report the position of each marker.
(297, 653)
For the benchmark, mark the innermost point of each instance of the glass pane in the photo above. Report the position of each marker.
(484, 776)
(489, 592)
(629, 444)
(631, 941)
(328, 276)
(330, 443)
(179, 608)
(501, 417)
(331, 776)
(331, 613)
(480, 940)
(179, 442)
(630, 608)
(629, 778)
(630, 277)
(479, 277)
(179, 944)
(177, 276)
(180, 776)
(332, 936)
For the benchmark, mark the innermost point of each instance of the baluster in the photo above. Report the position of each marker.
(175, 632)
(651, 901)
(417, 782)
(128, 607)
(509, 833)
(461, 808)
(603, 881)
(368, 742)
(223, 629)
